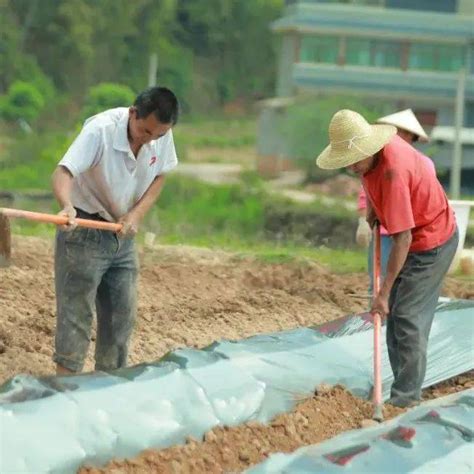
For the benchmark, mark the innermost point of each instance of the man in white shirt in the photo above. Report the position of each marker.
(114, 171)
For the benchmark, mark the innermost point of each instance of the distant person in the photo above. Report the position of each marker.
(114, 171)
(411, 131)
(405, 196)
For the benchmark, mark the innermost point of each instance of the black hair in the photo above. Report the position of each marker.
(160, 101)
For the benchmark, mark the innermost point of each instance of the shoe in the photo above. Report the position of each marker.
(402, 403)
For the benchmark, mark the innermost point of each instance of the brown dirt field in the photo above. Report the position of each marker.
(331, 411)
(187, 297)
(328, 413)
(192, 297)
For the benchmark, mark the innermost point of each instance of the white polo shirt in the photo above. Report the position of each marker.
(108, 179)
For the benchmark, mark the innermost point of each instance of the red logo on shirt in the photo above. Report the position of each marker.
(153, 160)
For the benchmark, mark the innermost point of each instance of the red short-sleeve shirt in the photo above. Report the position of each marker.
(406, 194)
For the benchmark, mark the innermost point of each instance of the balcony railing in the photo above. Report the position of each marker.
(391, 83)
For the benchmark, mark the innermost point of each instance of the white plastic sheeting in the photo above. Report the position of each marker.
(57, 424)
(434, 437)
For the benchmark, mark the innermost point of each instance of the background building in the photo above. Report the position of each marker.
(406, 53)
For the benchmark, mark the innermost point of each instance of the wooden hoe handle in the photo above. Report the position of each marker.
(378, 416)
(60, 220)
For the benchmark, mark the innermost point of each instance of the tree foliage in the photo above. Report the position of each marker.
(217, 49)
(107, 96)
(23, 101)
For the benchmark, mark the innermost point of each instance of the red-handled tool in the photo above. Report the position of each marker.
(377, 394)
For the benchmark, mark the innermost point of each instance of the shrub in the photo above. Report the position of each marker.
(26, 69)
(306, 126)
(107, 96)
(190, 207)
(22, 101)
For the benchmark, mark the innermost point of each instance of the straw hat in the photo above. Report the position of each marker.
(352, 139)
(406, 120)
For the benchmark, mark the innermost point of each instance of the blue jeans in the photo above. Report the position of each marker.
(385, 248)
(412, 304)
(95, 271)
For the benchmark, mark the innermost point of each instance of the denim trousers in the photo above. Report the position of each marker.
(95, 272)
(412, 305)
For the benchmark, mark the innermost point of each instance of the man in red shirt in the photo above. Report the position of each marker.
(405, 196)
(411, 131)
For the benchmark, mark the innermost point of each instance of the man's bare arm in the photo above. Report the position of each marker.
(132, 219)
(62, 181)
(398, 255)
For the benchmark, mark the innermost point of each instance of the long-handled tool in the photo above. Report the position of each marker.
(377, 394)
(5, 241)
(5, 234)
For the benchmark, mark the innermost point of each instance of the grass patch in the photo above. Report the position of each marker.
(31, 159)
(190, 209)
(216, 133)
(336, 260)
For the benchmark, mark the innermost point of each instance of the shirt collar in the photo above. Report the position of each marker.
(121, 135)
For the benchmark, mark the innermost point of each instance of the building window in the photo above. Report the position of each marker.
(422, 56)
(435, 57)
(424, 5)
(319, 49)
(383, 54)
(358, 52)
(365, 52)
(371, 3)
(386, 54)
(450, 58)
(469, 115)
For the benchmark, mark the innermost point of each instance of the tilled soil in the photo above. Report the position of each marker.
(187, 297)
(331, 411)
(192, 297)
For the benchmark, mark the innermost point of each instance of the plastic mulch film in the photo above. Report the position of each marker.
(56, 424)
(435, 437)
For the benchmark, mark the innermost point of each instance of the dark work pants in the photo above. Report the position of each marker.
(413, 301)
(95, 272)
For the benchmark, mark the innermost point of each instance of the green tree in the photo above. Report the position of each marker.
(23, 101)
(107, 96)
(233, 40)
(221, 49)
(9, 41)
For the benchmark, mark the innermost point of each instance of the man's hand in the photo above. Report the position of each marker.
(130, 223)
(69, 212)
(363, 233)
(380, 305)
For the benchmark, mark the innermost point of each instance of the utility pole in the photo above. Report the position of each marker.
(152, 69)
(456, 166)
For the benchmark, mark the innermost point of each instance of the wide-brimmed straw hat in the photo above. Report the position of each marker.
(352, 139)
(406, 120)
